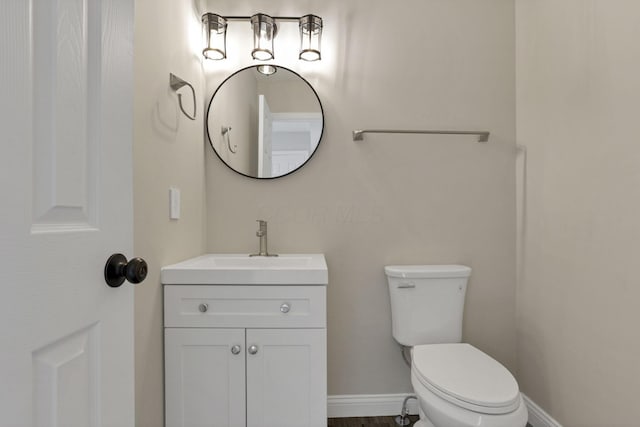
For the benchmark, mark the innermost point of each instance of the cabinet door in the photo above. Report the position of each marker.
(286, 378)
(204, 380)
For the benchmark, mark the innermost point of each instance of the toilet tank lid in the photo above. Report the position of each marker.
(427, 271)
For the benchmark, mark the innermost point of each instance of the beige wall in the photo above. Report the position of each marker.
(578, 100)
(168, 151)
(390, 199)
(289, 96)
(407, 199)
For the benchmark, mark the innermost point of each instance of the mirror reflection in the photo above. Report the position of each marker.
(265, 126)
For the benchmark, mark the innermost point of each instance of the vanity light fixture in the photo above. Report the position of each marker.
(265, 29)
(310, 36)
(214, 32)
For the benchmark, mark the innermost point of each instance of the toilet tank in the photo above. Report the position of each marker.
(427, 302)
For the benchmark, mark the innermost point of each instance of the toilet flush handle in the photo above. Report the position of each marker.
(406, 285)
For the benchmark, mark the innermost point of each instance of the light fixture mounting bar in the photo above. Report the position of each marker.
(277, 18)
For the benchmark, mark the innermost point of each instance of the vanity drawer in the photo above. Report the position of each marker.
(221, 306)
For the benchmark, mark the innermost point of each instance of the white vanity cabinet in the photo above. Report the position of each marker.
(251, 356)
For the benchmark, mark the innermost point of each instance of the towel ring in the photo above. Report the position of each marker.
(176, 83)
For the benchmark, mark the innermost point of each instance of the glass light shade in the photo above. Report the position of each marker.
(264, 30)
(267, 69)
(214, 33)
(310, 37)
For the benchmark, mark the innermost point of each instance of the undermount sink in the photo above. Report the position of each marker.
(241, 269)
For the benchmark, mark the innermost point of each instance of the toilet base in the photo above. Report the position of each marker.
(423, 421)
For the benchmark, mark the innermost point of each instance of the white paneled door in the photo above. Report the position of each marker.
(265, 128)
(66, 338)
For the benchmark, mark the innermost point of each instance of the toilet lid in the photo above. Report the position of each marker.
(467, 377)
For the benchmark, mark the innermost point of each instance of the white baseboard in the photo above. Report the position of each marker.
(378, 405)
(537, 416)
(368, 405)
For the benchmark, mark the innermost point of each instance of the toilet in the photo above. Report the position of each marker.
(456, 384)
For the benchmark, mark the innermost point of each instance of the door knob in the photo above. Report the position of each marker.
(236, 349)
(117, 270)
(253, 349)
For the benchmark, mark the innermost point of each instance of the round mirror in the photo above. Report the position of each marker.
(265, 121)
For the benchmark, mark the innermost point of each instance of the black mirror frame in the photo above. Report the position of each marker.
(206, 124)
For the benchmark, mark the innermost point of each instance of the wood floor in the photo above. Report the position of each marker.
(367, 422)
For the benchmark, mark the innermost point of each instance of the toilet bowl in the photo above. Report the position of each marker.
(456, 384)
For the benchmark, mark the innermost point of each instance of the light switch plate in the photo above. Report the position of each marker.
(174, 203)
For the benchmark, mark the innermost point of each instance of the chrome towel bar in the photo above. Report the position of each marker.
(483, 136)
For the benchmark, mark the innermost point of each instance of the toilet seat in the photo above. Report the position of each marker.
(466, 377)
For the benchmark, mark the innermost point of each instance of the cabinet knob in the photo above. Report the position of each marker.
(285, 307)
(236, 349)
(253, 349)
(203, 307)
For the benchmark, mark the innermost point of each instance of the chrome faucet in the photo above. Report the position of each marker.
(262, 234)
